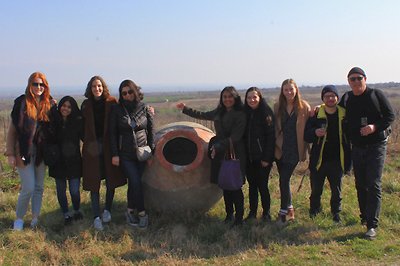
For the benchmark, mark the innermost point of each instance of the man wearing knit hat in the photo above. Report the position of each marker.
(330, 152)
(369, 116)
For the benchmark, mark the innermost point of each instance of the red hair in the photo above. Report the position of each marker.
(34, 109)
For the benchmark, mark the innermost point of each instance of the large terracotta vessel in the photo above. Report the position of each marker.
(177, 178)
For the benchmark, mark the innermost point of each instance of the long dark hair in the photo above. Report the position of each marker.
(238, 105)
(88, 92)
(131, 85)
(263, 107)
(75, 112)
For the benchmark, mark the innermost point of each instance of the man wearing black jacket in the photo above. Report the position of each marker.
(330, 152)
(369, 115)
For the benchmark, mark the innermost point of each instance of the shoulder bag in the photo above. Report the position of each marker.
(230, 175)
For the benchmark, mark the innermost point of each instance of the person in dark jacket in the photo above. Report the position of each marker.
(230, 124)
(330, 152)
(67, 131)
(131, 126)
(96, 153)
(370, 115)
(260, 144)
(25, 145)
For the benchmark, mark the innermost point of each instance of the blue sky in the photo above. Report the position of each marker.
(198, 43)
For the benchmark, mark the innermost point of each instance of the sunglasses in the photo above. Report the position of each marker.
(352, 79)
(36, 84)
(124, 93)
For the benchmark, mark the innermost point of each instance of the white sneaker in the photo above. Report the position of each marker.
(371, 233)
(106, 217)
(18, 225)
(98, 225)
(34, 223)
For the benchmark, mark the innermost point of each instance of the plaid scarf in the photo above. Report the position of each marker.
(30, 132)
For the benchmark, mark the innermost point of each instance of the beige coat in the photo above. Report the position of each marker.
(302, 146)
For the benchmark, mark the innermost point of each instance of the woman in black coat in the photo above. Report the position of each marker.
(131, 126)
(260, 144)
(230, 123)
(67, 131)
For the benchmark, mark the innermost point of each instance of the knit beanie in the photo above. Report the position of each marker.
(329, 88)
(357, 70)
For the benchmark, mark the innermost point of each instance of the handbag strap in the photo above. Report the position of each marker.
(130, 124)
(232, 153)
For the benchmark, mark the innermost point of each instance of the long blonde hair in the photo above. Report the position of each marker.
(297, 103)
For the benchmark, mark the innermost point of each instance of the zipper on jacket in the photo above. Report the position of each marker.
(120, 142)
(249, 137)
(259, 144)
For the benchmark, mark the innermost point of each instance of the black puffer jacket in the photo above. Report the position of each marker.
(67, 134)
(260, 134)
(121, 134)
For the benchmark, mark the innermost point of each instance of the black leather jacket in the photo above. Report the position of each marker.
(121, 133)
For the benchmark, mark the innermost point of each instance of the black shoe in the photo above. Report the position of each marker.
(228, 218)
(252, 216)
(266, 218)
(68, 220)
(237, 223)
(314, 213)
(336, 218)
(78, 216)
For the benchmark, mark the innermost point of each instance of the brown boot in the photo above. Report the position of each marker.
(290, 214)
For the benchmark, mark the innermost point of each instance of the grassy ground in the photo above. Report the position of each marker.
(205, 239)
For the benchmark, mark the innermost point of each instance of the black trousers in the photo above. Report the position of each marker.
(234, 201)
(333, 171)
(258, 177)
(368, 165)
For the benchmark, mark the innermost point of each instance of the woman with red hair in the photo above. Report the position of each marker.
(25, 145)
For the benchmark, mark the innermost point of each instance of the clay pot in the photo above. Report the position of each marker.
(177, 178)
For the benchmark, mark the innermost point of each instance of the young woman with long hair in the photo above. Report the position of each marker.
(96, 151)
(291, 115)
(67, 132)
(230, 124)
(260, 143)
(131, 116)
(25, 145)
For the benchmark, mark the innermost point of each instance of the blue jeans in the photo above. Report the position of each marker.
(368, 165)
(133, 170)
(95, 200)
(285, 173)
(333, 171)
(61, 186)
(32, 181)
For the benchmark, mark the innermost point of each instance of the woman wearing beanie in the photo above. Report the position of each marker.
(131, 126)
(291, 115)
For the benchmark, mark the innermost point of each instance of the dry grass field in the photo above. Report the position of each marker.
(203, 239)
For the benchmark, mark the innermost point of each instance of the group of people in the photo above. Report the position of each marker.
(345, 134)
(110, 129)
(352, 132)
